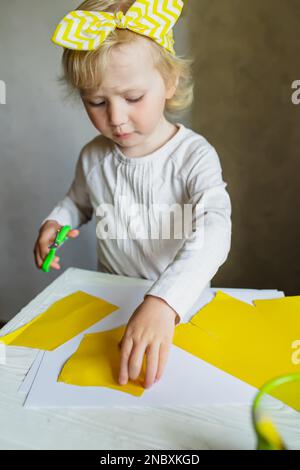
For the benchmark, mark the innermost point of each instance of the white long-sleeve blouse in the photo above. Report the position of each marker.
(165, 216)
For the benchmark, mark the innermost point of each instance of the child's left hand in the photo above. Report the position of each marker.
(150, 330)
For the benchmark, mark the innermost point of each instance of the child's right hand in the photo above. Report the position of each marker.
(46, 237)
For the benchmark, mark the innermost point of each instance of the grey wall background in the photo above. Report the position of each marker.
(246, 57)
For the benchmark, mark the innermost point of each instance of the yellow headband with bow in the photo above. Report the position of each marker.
(86, 30)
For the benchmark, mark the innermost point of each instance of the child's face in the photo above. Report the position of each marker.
(139, 111)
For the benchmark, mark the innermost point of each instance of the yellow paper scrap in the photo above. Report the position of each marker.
(243, 341)
(62, 321)
(97, 363)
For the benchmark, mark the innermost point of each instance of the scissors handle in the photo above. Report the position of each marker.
(61, 237)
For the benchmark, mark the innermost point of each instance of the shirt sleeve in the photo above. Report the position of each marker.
(208, 242)
(75, 209)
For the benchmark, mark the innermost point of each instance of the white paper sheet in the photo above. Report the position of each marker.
(246, 295)
(206, 383)
(30, 376)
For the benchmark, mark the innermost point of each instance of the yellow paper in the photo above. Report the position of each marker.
(198, 342)
(97, 363)
(62, 321)
(244, 342)
(282, 310)
(224, 311)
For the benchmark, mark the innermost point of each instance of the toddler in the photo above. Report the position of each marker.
(144, 176)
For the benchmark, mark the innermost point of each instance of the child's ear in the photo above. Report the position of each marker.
(172, 88)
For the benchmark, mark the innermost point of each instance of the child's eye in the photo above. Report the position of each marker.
(103, 102)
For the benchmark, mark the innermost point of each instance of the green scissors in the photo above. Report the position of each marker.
(268, 438)
(61, 237)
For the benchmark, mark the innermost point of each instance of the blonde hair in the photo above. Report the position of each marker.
(83, 70)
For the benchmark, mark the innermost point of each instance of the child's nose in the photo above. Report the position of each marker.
(117, 117)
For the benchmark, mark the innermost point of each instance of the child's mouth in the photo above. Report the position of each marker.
(124, 136)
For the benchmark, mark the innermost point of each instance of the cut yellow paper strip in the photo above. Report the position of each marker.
(249, 346)
(62, 321)
(97, 363)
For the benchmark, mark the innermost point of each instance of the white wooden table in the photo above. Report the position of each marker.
(167, 428)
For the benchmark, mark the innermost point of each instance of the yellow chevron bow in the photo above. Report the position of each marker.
(86, 30)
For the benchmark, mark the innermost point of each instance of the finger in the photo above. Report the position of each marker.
(73, 233)
(136, 360)
(44, 247)
(126, 348)
(43, 253)
(39, 259)
(164, 351)
(152, 364)
(55, 265)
